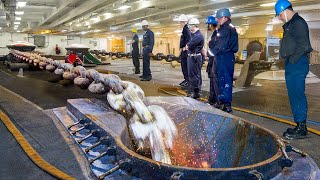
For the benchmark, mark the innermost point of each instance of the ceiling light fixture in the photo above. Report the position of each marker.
(268, 4)
(124, 7)
(19, 12)
(16, 23)
(97, 19)
(18, 18)
(157, 33)
(21, 4)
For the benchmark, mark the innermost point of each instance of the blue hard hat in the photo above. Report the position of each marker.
(281, 5)
(224, 12)
(211, 20)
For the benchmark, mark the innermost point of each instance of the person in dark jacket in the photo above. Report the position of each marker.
(135, 51)
(212, 24)
(194, 47)
(224, 47)
(147, 44)
(184, 39)
(295, 48)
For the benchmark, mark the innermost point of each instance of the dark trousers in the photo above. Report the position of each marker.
(146, 63)
(135, 58)
(212, 74)
(194, 72)
(295, 75)
(225, 70)
(184, 64)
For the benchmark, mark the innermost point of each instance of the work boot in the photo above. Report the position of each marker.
(195, 94)
(137, 71)
(299, 132)
(141, 76)
(184, 81)
(226, 108)
(218, 105)
(146, 78)
(290, 130)
(185, 84)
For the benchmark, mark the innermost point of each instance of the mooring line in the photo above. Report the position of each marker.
(31, 153)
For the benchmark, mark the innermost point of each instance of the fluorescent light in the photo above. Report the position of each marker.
(64, 30)
(124, 7)
(78, 25)
(107, 15)
(84, 32)
(268, 4)
(98, 30)
(16, 23)
(19, 12)
(18, 18)
(97, 19)
(21, 4)
(18, 31)
(177, 31)
(157, 33)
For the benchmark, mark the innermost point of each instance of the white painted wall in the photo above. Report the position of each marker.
(51, 41)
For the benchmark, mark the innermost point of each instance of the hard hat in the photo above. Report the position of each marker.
(134, 30)
(281, 5)
(211, 20)
(224, 12)
(183, 18)
(144, 23)
(194, 21)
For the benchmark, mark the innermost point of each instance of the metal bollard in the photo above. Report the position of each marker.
(122, 164)
(110, 151)
(286, 161)
(94, 133)
(104, 141)
(82, 121)
(86, 126)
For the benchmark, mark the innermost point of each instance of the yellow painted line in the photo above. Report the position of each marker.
(182, 92)
(31, 153)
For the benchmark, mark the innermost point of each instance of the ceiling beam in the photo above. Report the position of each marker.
(57, 11)
(87, 6)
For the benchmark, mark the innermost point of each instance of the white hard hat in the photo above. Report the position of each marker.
(144, 23)
(183, 18)
(194, 21)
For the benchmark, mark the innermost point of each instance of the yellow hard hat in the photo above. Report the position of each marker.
(134, 30)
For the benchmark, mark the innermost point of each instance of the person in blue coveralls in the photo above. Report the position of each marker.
(212, 24)
(295, 48)
(184, 39)
(147, 44)
(224, 47)
(135, 51)
(194, 47)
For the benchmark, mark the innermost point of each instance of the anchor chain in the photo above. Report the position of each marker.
(123, 96)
